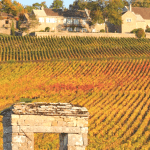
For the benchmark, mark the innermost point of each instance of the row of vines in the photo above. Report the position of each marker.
(116, 93)
(50, 48)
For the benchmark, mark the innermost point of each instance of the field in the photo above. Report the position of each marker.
(108, 76)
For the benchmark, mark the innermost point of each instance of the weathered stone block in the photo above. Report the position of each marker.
(70, 124)
(84, 129)
(19, 139)
(75, 139)
(22, 146)
(85, 139)
(76, 148)
(14, 146)
(58, 118)
(54, 123)
(30, 145)
(61, 123)
(71, 130)
(14, 116)
(82, 123)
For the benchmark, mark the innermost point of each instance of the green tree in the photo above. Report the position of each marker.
(38, 5)
(97, 16)
(57, 4)
(29, 8)
(82, 4)
(113, 11)
(33, 22)
(12, 29)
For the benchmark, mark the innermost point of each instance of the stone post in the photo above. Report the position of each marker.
(22, 120)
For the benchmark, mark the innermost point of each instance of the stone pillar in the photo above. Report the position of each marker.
(73, 141)
(13, 139)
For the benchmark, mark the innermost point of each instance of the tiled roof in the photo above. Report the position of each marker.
(144, 12)
(4, 14)
(74, 13)
(68, 13)
(51, 12)
(39, 12)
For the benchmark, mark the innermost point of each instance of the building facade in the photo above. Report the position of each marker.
(6, 23)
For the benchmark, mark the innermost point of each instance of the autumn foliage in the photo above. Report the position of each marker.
(115, 90)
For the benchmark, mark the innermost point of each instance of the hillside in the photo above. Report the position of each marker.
(108, 76)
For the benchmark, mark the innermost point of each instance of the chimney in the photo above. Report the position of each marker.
(42, 7)
(130, 7)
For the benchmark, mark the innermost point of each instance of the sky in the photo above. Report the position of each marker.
(66, 3)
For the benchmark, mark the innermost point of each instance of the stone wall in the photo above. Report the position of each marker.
(22, 120)
(69, 34)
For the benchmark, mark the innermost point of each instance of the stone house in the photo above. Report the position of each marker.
(133, 18)
(6, 22)
(70, 20)
(67, 20)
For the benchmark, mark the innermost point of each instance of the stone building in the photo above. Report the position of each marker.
(132, 18)
(6, 22)
(22, 120)
(66, 20)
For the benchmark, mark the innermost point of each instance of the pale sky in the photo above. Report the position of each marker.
(66, 3)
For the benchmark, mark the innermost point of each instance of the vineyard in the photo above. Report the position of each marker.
(108, 76)
(49, 48)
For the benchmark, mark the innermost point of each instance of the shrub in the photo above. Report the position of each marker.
(41, 31)
(102, 30)
(134, 31)
(24, 29)
(147, 30)
(140, 33)
(47, 29)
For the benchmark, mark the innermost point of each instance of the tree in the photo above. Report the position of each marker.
(14, 10)
(10, 7)
(33, 22)
(38, 5)
(6, 4)
(82, 4)
(140, 33)
(29, 8)
(97, 16)
(113, 11)
(0, 6)
(12, 29)
(57, 4)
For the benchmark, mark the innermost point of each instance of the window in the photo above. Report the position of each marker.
(69, 29)
(41, 19)
(76, 21)
(47, 20)
(64, 20)
(84, 22)
(128, 20)
(7, 22)
(53, 20)
(69, 21)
